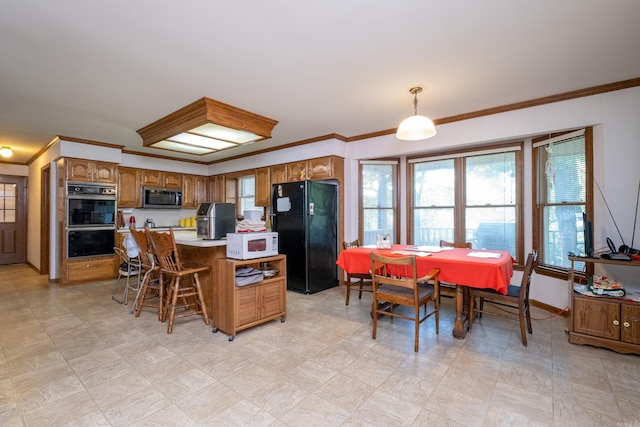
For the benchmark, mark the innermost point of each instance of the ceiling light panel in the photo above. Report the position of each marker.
(201, 141)
(183, 148)
(226, 134)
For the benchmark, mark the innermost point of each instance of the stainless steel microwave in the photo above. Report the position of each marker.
(161, 198)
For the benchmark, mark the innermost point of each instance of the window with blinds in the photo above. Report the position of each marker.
(247, 193)
(379, 208)
(563, 176)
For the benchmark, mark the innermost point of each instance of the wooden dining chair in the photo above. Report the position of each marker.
(190, 294)
(150, 294)
(362, 280)
(517, 298)
(450, 288)
(396, 282)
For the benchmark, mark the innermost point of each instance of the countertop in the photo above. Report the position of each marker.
(185, 236)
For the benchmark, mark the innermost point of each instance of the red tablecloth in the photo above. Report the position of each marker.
(456, 266)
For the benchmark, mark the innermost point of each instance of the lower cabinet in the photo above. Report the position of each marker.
(88, 269)
(236, 308)
(606, 323)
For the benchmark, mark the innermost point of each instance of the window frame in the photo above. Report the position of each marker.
(460, 206)
(395, 196)
(538, 209)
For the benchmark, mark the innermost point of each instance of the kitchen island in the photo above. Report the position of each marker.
(234, 308)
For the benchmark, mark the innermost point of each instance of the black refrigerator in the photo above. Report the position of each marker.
(305, 215)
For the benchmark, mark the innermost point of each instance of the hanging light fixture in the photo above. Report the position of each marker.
(416, 127)
(6, 152)
(206, 126)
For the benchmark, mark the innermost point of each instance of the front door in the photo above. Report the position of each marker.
(13, 219)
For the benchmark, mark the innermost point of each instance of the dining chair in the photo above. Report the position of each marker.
(190, 294)
(129, 267)
(449, 288)
(396, 282)
(362, 280)
(150, 294)
(517, 298)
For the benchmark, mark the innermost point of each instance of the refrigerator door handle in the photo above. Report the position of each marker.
(310, 208)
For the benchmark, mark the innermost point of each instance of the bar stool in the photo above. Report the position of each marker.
(150, 293)
(130, 267)
(166, 253)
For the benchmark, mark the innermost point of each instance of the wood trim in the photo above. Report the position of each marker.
(206, 110)
(564, 312)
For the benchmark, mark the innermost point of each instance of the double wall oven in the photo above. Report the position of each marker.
(91, 220)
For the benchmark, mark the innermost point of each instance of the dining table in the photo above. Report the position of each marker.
(466, 268)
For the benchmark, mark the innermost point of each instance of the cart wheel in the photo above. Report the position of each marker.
(282, 319)
(214, 330)
(230, 337)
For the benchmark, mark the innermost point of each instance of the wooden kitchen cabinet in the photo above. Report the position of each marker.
(320, 168)
(129, 187)
(88, 269)
(81, 170)
(236, 308)
(217, 186)
(602, 321)
(263, 187)
(278, 174)
(297, 171)
(154, 178)
(194, 190)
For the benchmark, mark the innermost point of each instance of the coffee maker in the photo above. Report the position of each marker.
(215, 220)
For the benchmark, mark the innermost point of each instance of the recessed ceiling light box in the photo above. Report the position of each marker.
(206, 126)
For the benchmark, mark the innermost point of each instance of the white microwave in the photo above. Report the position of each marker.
(252, 245)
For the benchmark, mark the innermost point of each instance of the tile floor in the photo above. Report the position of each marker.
(72, 356)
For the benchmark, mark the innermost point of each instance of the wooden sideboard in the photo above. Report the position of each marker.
(611, 323)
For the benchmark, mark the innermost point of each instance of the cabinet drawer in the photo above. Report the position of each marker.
(87, 270)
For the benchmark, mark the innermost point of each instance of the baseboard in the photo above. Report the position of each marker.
(564, 312)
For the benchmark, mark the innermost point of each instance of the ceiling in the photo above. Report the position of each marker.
(102, 70)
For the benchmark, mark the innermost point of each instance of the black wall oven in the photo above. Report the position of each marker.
(91, 220)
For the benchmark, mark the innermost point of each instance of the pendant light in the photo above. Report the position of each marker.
(416, 127)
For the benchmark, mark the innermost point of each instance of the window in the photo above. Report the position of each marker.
(378, 201)
(247, 194)
(8, 199)
(468, 197)
(563, 192)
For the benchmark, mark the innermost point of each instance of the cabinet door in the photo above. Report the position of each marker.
(152, 178)
(630, 315)
(321, 168)
(247, 307)
(79, 170)
(217, 186)
(297, 171)
(596, 318)
(263, 187)
(172, 180)
(278, 174)
(129, 190)
(201, 190)
(104, 172)
(273, 298)
(188, 191)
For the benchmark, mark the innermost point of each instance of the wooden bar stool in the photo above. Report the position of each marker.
(151, 293)
(166, 253)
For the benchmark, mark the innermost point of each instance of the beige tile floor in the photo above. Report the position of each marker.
(72, 356)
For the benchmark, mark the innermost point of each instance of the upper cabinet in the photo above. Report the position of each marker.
(263, 187)
(321, 168)
(278, 174)
(217, 186)
(154, 178)
(194, 190)
(129, 187)
(91, 171)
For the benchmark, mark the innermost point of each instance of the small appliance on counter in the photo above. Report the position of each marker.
(252, 245)
(215, 220)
